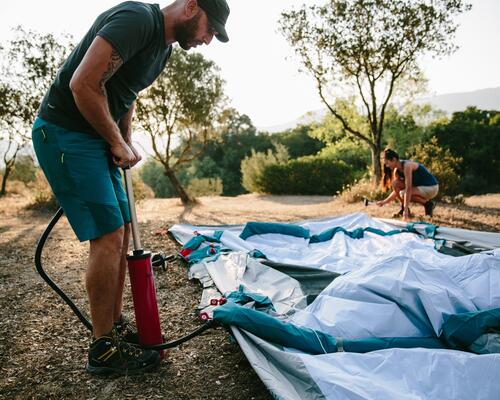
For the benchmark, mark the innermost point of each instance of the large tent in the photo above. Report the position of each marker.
(354, 307)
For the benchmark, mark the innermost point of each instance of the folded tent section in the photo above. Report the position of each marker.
(370, 289)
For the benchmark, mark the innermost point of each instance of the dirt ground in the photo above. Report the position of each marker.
(43, 346)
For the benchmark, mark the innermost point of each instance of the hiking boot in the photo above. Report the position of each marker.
(429, 208)
(126, 331)
(111, 355)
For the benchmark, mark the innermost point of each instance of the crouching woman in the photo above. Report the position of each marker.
(410, 182)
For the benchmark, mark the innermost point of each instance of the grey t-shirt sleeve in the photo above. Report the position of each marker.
(128, 31)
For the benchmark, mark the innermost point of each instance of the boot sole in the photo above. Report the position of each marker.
(109, 371)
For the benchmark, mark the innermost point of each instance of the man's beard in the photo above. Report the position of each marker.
(187, 32)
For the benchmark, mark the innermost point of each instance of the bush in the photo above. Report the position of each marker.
(24, 170)
(44, 201)
(441, 163)
(360, 190)
(472, 183)
(141, 190)
(205, 187)
(306, 176)
(352, 152)
(252, 168)
(43, 198)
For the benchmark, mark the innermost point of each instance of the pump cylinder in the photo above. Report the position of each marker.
(144, 296)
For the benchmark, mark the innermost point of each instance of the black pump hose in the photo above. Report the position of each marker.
(46, 278)
(76, 310)
(189, 336)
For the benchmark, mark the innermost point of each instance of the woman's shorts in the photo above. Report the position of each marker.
(428, 192)
(84, 179)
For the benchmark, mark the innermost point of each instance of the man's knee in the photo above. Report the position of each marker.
(112, 241)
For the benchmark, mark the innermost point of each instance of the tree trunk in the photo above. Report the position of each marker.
(6, 174)
(185, 198)
(376, 166)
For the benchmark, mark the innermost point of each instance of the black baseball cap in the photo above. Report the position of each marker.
(217, 12)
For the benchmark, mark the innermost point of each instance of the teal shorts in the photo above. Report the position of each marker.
(83, 177)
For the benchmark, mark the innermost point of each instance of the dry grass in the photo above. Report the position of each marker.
(43, 346)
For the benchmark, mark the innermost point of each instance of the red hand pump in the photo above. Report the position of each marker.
(142, 281)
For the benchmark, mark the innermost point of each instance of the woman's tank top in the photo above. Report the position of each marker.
(420, 177)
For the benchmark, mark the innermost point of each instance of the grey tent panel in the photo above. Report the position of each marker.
(275, 367)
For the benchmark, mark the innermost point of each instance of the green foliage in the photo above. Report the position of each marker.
(305, 176)
(351, 152)
(331, 129)
(236, 136)
(205, 187)
(24, 169)
(339, 145)
(402, 132)
(299, 141)
(441, 163)
(222, 157)
(474, 135)
(252, 167)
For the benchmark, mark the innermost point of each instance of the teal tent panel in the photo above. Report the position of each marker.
(261, 228)
(460, 330)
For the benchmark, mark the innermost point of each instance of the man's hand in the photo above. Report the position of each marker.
(380, 203)
(123, 156)
(137, 156)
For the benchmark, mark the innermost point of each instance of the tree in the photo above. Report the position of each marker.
(474, 136)
(236, 138)
(299, 141)
(369, 49)
(30, 63)
(408, 128)
(12, 135)
(179, 111)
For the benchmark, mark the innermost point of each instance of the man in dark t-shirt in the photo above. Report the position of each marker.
(82, 136)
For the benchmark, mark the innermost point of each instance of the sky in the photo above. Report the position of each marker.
(262, 79)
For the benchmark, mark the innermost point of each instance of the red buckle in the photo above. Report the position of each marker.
(204, 316)
(218, 302)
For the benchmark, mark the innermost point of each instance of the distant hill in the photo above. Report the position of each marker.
(312, 116)
(486, 99)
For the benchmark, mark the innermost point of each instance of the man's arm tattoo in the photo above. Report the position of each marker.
(115, 63)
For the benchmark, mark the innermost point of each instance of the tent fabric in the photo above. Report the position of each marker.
(260, 228)
(297, 250)
(461, 330)
(304, 339)
(474, 239)
(358, 233)
(395, 286)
